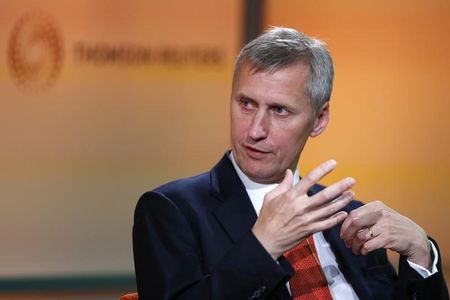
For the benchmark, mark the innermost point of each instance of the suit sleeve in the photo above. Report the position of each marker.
(169, 261)
(412, 285)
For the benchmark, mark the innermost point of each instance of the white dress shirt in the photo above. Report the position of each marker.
(339, 287)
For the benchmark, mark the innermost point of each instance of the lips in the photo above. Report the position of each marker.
(255, 153)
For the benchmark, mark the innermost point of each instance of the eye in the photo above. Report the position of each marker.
(247, 103)
(280, 110)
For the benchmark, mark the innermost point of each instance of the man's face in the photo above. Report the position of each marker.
(271, 120)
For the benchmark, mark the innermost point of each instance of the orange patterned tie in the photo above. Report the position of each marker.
(308, 282)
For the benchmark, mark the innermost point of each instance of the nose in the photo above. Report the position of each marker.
(259, 128)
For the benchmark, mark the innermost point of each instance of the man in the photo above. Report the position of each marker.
(231, 233)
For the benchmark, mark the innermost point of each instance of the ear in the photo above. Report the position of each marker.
(321, 120)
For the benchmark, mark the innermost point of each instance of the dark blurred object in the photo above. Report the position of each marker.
(253, 19)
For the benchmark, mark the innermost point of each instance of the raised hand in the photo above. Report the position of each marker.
(289, 215)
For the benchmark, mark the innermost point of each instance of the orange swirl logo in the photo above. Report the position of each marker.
(35, 52)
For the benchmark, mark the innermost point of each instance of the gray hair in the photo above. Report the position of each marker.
(280, 47)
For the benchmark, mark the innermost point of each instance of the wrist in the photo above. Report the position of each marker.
(267, 244)
(422, 254)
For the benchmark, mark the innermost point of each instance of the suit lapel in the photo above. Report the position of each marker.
(235, 212)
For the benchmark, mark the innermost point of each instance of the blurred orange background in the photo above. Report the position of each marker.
(77, 154)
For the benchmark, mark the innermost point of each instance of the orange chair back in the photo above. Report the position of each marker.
(131, 296)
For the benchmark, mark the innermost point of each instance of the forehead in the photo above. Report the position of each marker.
(289, 82)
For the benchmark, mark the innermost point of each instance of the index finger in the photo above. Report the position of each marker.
(314, 176)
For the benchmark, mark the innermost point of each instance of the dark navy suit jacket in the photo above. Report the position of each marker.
(192, 239)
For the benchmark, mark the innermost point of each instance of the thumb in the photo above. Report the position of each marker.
(283, 187)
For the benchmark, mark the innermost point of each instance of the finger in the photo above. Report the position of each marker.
(314, 176)
(373, 244)
(360, 218)
(365, 234)
(327, 223)
(373, 239)
(331, 192)
(354, 224)
(332, 207)
(361, 237)
(283, 187)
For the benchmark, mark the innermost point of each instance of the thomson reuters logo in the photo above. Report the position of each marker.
(35, 52)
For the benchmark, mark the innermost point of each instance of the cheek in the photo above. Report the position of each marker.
(289, 144)
(238, 127)
(236, 132)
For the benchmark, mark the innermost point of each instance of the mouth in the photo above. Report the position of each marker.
(255, 153)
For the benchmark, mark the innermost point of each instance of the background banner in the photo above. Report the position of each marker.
(101, 101)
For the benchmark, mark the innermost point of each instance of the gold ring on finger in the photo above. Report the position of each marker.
(370, 233)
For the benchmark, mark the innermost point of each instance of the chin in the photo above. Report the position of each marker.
(260, 176)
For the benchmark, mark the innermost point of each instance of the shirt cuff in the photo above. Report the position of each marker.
(424, 272)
